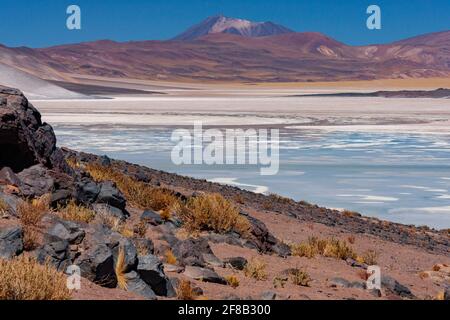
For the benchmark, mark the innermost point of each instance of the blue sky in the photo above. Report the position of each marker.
(41, 23)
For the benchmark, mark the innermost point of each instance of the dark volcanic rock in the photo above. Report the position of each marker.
(97, 265)
(136, 285)
(151, 217)
(57, 253)
(11, 242)
(65, 230)
(393, 286)
(106, 209)
(339, 283)
(86, 191)
(238, 263)
(36, 181)
(152, 272)
(109, 194)
(203, 274)
(261, 239)
(7, 176)
(24, 139)
(191, 252)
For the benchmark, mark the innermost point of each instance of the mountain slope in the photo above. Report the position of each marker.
(34, 87)
(221, 24)
(223, 56)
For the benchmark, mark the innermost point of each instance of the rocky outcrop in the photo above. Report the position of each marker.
(24, 139)
(11, 242)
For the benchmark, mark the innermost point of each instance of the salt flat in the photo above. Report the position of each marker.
(330, 113)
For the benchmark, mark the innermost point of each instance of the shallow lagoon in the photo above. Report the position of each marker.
(393, 176)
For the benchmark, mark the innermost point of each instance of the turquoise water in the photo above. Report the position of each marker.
(398, 177)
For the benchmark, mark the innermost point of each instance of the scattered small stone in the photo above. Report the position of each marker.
(203, 274)
(269, 295)
(375, 292)
(339, 283)
(393, 286)
(212, 260)
(237, 263)
(173, 268)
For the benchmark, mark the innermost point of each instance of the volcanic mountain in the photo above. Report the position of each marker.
(222, 24)
(231, 50)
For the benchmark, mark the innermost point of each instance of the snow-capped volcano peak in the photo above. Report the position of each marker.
(222, 24)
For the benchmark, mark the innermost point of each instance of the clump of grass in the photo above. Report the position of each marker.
(256, 269)
(142, 249)
(73, 163)
(239, 199)
(279, 282)
(305, 203)
(4, 207)
(170, 257)
(303, 250)
(185, 291)
(126, 231)
(370, 257)
(166, 214)
(140, 229)
(31, 212)
(232, 281)
(120, 270)
(299, 277)
(77, 213)
(139, 194)
(351, 239)
(23, 278)
(338, 249)
(326, 247)
(275, 198)
(350, 214)
(115, 224)
(212, 212)
(267, 205)
(30, 238)
(30, 215)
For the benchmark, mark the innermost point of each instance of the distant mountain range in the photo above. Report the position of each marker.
(221, 24)
(233, 50)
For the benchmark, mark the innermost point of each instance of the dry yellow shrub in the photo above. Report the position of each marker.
(23, 278)
(77, 213)
(213, 212)
(138, 193)
(256, 269)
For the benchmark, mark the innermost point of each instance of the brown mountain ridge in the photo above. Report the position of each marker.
(225, 57)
